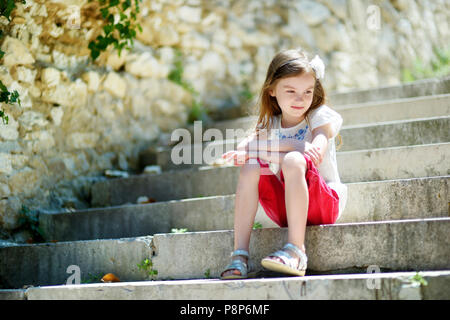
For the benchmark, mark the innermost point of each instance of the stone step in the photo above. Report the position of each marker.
(357, 137)
(401, 245)
(354, 166)
(387, 244)
(426, 87)
(47, 263)
(397, 109)
(368, 112)
(376, 286)
(396, 133)
(368, 201)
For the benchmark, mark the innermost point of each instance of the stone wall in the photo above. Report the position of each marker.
(78, 119)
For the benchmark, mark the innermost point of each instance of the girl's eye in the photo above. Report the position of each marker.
(308, 92)
(290, 91)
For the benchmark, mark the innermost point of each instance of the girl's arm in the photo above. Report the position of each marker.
(270, 156)
(240, 157)
(317, 148)
(262, 144)
(277, 149)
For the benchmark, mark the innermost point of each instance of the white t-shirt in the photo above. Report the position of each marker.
(303, 131)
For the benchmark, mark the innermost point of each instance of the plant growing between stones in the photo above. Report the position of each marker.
(92, 278)
(438, 67)
(197, 111)
(119, 33)
(29, 219)
(257, 225)
(147, 266)
(418, 280)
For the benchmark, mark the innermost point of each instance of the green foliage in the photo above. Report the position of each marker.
(438, 67)
(207, 273)
(197, 111)
(4, 117)
(245, 93)
(120, 34)
(92, 278)
(147, 266)
(8, 97)
(176, 74)
(257, 225)
(6, 7)
(29, 220)
(418, 280)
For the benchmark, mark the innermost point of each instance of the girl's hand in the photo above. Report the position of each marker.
(314, 153)
(239, 157)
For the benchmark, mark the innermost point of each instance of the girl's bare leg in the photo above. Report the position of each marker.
(246, 205)
(297, 199)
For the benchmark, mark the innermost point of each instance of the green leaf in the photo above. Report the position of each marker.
(136, 2)
(2, 86)
(104, 12)
(113, 3)
(110, 18)
(94, 54)
(108, 29)
(126, 4)
(257, 225)
(6, 8)
(4, 117)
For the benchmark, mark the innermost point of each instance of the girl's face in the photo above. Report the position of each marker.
(294, 96)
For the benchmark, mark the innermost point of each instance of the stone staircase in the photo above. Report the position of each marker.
(394, 160)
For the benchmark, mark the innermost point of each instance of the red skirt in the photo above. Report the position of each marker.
(323, 205)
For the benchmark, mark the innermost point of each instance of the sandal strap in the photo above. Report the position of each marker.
(285, 257)
(303, 258)
(237, 265)
(240, 252)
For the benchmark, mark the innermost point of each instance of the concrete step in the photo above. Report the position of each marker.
(393, 245)
(367, 112)
(396, 133)
(47, 263)
(402, 245)
(354, 166)
(357, 137)
(426, 87)
(368, 201)
(377, 286)
(397, 109)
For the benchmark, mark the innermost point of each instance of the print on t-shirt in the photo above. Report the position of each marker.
(299, 135)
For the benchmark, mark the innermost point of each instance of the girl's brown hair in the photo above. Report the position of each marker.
(286, 63)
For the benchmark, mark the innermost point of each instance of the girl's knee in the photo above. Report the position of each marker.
(293, 160)
(250, 169)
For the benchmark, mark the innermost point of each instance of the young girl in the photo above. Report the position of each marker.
(288, 164)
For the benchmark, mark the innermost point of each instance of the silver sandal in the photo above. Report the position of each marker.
(290, 265)
(237, 264)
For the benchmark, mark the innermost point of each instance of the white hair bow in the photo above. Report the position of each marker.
(318, 66)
